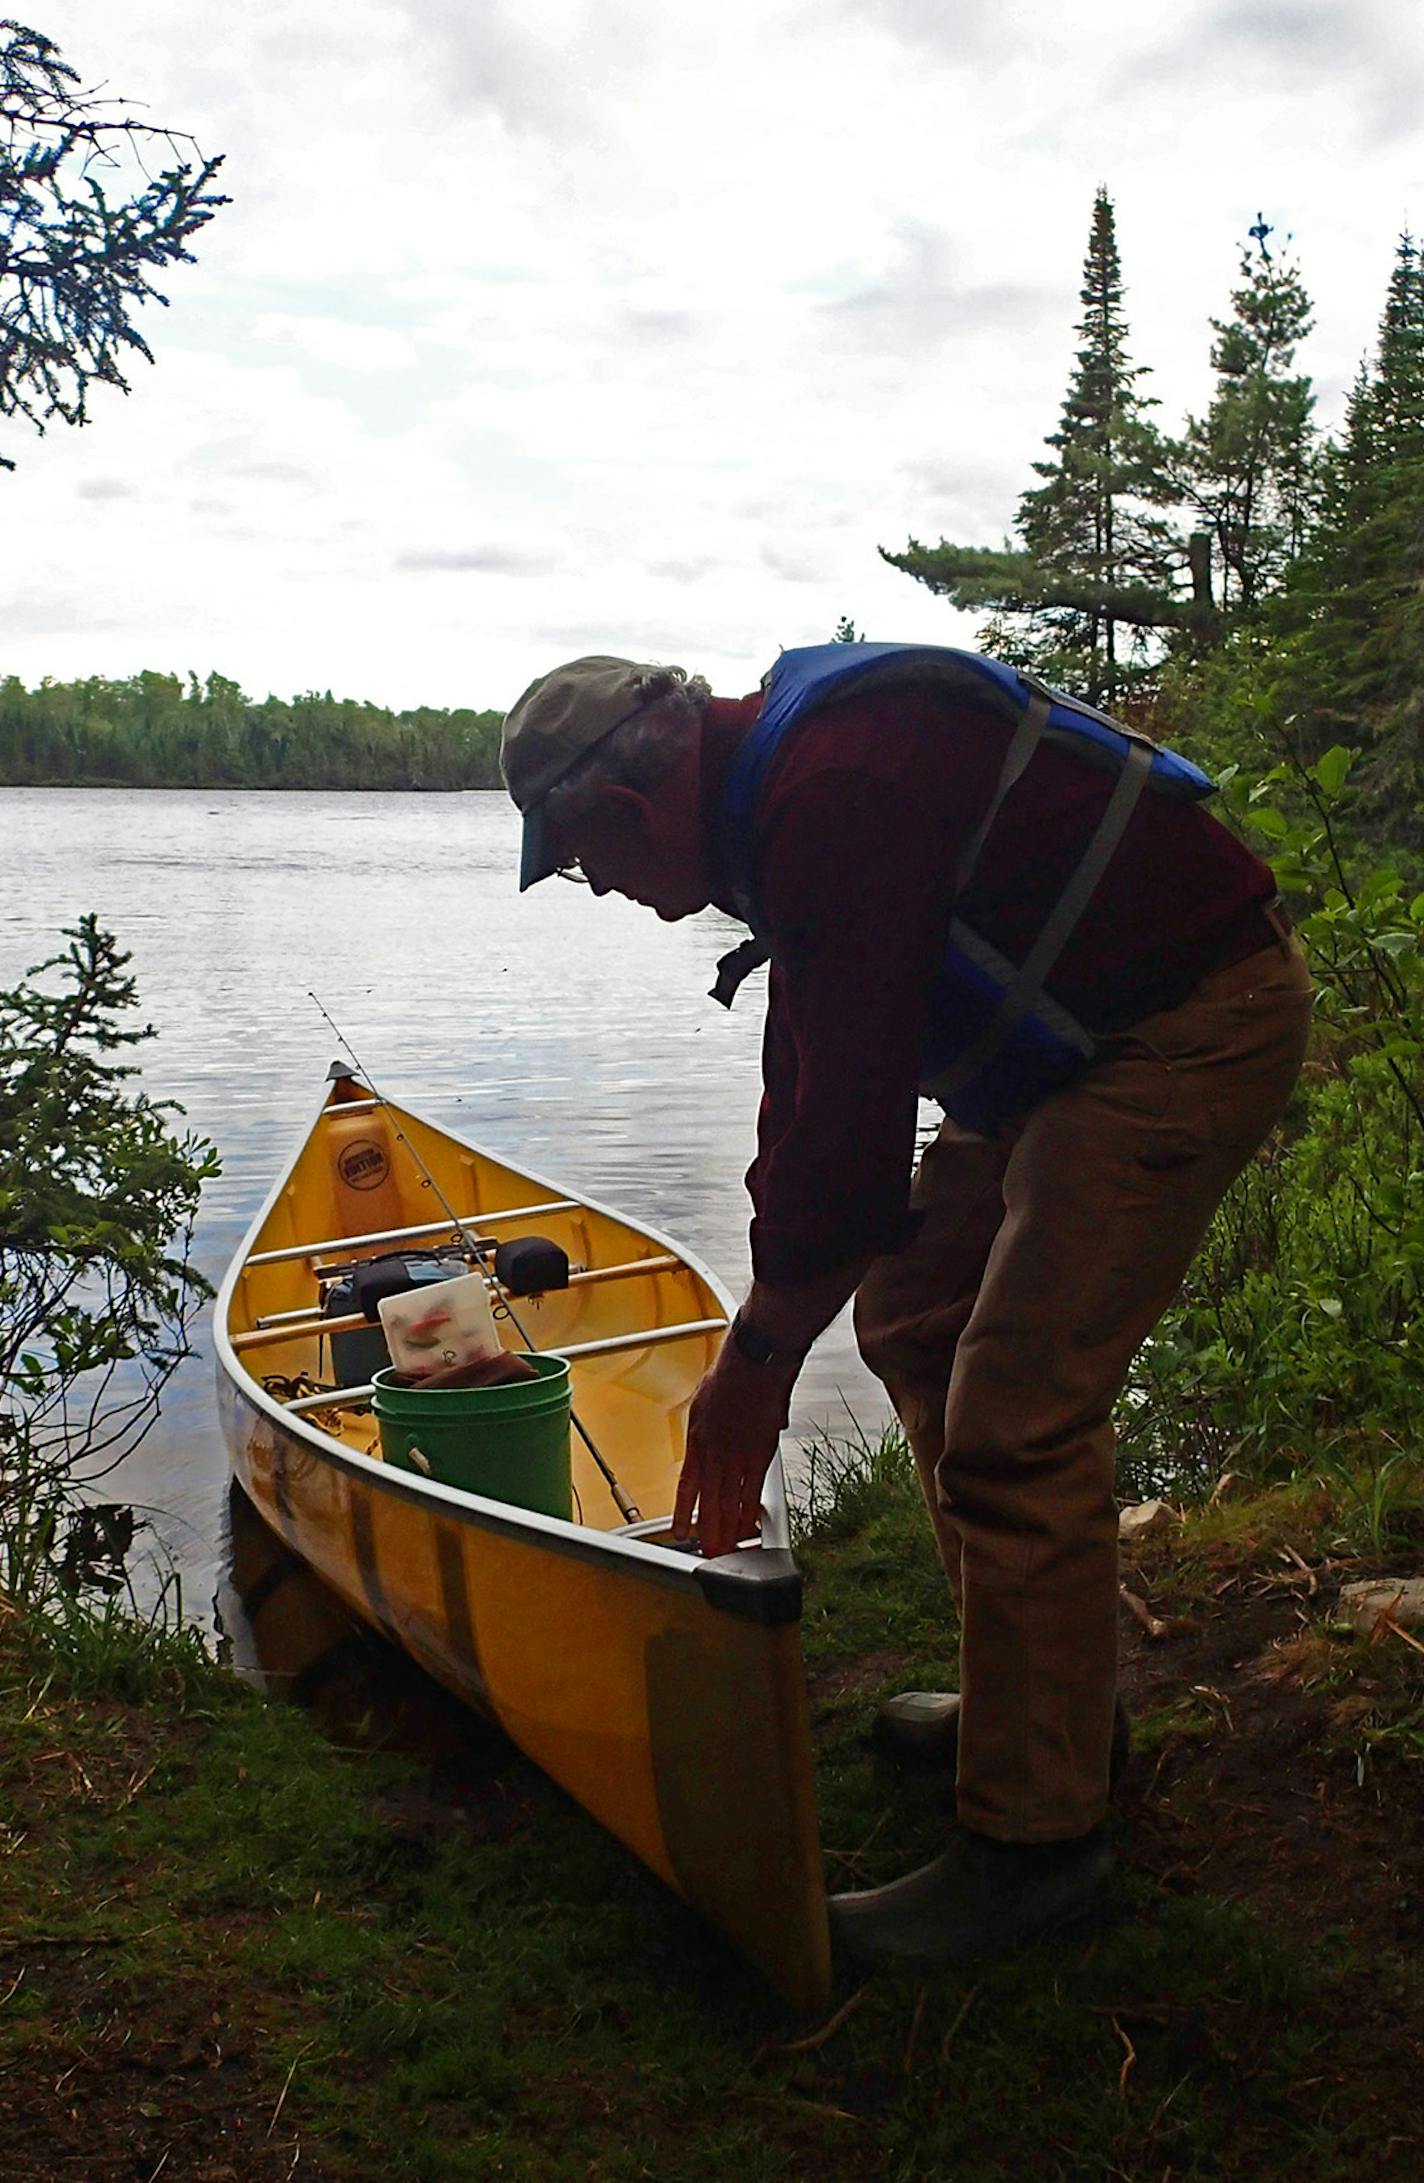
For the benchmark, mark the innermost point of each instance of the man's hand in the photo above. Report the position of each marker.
(740, 1408)
(732, 1430)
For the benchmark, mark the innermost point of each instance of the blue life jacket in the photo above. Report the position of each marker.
(996, 1041)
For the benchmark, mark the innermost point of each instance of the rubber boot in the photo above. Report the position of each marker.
(923, 1725)
(981, 1899)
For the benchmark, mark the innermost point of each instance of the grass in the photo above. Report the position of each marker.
(242, 1949)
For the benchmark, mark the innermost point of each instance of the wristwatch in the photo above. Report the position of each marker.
(756, 1347)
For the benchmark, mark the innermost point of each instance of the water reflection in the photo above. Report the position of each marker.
(572, 1037)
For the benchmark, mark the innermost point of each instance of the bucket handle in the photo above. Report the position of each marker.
(420, 1460)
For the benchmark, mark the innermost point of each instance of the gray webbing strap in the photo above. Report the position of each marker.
(1058, 925)
(1024, 742)
(739, 962)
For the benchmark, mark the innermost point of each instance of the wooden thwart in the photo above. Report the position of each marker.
(285, 1327)
(649, 1338)
(425, 1228)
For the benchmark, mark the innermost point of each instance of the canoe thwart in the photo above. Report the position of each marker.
(647, 1338)
(424, 1228)
(285, 1326)
(333, 1398)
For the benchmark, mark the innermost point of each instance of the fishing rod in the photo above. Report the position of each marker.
(478, 1251)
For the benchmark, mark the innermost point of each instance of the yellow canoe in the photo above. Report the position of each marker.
(663, 1692)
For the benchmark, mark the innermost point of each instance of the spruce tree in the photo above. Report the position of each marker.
(1351, 620)
(1245, 469)
(1094, 569)
(86, 227)
(1395, 423)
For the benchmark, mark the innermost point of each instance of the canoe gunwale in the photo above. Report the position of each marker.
(758, 1583)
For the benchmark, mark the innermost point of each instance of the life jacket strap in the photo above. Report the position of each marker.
(741, 961)
(738, 963)
(1027, 986)
(1027, 736)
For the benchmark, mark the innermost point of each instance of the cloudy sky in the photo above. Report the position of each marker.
(538, 327)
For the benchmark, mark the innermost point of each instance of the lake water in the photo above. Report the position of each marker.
(566, 1033)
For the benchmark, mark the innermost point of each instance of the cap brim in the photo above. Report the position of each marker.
(539, 857)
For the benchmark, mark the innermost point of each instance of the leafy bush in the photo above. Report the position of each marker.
(97, 1201)
(1299, 1332)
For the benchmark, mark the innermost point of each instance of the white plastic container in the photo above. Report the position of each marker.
(436, 1329)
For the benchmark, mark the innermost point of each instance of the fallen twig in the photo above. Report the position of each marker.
(282, 2095)
(136, 1787)
(1206, 1690)
(1152, 1624)
(851, 1858)
(803, 2106)
(1403, 1634)
(14, 1983)
(41, 1694)
(814, 2039)
(953, 2033)
(1289, 1553)
(1129, 2059)
(915, 2021)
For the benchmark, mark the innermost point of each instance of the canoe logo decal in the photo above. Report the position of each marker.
(364, 1165)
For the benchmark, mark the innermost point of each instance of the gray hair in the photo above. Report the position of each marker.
(645, 746)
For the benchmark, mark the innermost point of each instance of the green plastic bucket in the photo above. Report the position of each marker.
(509, 1442)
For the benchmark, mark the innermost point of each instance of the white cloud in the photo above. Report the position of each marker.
(106, 488)
(493, 559)
(563, 325)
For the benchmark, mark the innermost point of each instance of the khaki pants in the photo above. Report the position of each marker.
(1004, 1333)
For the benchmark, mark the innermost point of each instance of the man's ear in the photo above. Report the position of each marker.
(631, 812)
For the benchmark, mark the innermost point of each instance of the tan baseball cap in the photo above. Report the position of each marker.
(560, 719)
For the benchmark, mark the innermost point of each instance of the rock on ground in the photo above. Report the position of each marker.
(1142, 1518)
(1401, 1598)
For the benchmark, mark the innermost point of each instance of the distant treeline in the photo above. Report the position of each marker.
(155, 731)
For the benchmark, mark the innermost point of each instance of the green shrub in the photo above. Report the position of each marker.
(1298, 1334)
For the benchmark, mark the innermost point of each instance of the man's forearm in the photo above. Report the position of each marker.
(790, 1314)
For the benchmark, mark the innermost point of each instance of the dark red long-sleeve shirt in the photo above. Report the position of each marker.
(859, 828)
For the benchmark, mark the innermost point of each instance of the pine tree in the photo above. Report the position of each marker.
(1396, 406)
(1351, 620)
(1246, 467)
(1094, 565)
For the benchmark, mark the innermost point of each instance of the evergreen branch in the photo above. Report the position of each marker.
(1015, 583)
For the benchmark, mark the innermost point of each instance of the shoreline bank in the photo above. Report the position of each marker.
(234, 1945)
